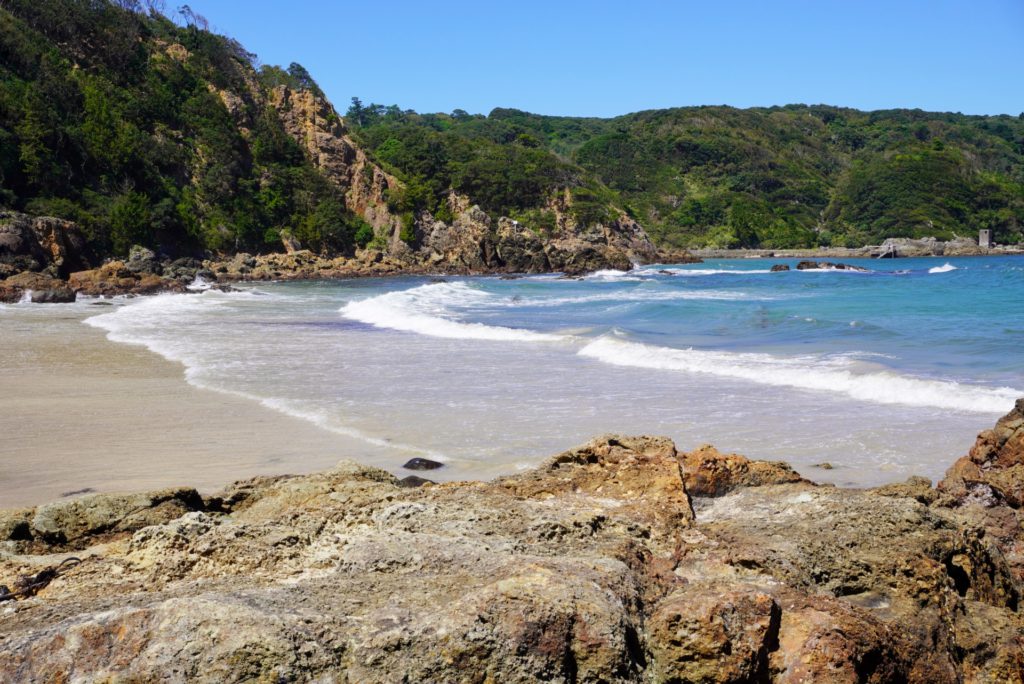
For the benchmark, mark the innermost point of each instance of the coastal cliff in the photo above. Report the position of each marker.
(620, 561)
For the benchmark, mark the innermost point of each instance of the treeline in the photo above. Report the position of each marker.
(155, 131)
(111, 115)
(717, 176)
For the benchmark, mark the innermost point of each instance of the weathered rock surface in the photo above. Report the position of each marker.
(619, 561)
(41, 288)
(118, 278)
(38, 243)
(986, 487)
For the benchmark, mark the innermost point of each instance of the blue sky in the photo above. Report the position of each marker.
(603, 58)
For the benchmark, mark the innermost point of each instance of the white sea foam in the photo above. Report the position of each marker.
(699, 271)
(143, 323)
(427, 310)
(613, 275)
(630, 296)
(834, 375)
(26, 297)
(945, 268)
(199, 284)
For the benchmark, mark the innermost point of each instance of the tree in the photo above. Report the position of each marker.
(356, 113)
(129, 222)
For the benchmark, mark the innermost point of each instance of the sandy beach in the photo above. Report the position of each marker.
(80, 412)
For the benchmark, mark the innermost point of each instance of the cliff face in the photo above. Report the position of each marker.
(619, 561)
(315, 125)
(472, 242)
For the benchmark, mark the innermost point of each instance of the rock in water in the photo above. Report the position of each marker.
(779, 267)
(422, 464)
(826, 265)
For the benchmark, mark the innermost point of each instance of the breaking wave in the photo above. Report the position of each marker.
(828, 374)
(427, 309)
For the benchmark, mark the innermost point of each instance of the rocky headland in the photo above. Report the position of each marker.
(892, 248)
(623, 560)
(55, 254)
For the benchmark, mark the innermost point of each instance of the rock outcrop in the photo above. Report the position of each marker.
(472, 242)
(52, 246)
(619, 561)
(119, 278)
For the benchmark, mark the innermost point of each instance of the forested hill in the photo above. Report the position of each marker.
(718, 176)
(149, 131)
(159, 133)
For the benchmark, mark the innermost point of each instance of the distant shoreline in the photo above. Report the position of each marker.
(870, 252)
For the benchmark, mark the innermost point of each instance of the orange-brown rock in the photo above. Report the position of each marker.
(598, 566)
(115, 278)
(711, 473)
(994, 468)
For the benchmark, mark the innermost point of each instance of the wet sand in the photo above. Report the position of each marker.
(80, 412)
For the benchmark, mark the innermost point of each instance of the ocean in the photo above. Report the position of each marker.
(880, 374)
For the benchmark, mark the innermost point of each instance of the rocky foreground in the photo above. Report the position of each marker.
(620, 561)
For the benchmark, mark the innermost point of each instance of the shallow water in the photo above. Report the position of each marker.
(882, 374)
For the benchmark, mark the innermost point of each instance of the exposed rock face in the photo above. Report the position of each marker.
(41, 288)
(472, 242)
(314, 124)
(605, 564)
(710, 473)
(38, 243)
(986, 487)
(116, 278)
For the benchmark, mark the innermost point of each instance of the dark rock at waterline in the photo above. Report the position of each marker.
(414, 481)
(779, 267)
(813, 265)
(57, 295)
(510, 277)
(665, 272)
(143, 260)
(422, 464)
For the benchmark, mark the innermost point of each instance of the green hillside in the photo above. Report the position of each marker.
(114, 118)
(150, 131)
(779, 177)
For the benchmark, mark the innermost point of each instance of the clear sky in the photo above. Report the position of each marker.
(602, 58)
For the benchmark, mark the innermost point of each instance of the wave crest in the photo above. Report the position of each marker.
(425, 310)
(810, 373)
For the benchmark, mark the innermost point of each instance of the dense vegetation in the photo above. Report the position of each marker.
(113, 115)
(103, 122)
(779, 177)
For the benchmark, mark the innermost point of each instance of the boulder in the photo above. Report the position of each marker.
(422, 464)
(116, 278)
(142, 261)
(41, 288)
(779, 267)
(707, 472)
(68, 522)
(41, 243)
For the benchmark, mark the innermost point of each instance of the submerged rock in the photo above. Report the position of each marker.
(620, 561)
(422, 464)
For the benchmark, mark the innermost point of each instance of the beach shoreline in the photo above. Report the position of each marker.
(105, 413)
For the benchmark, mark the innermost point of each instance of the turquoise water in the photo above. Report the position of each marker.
(882, 374)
